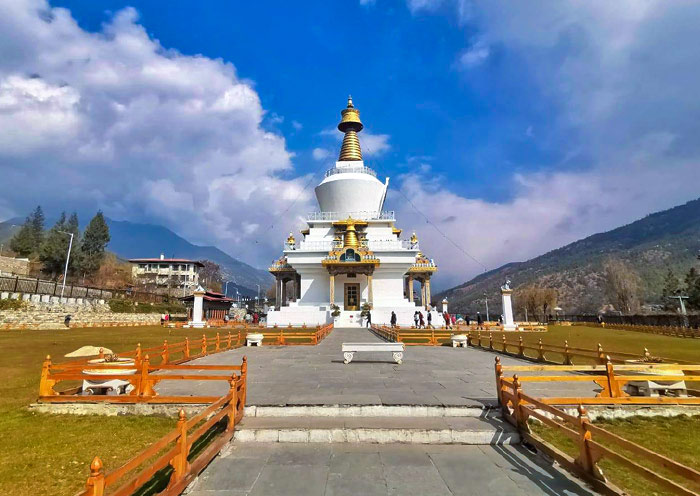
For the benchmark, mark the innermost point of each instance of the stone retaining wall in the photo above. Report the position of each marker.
(84, 313)
(14, 266)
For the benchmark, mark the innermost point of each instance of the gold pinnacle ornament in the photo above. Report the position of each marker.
(350, 124)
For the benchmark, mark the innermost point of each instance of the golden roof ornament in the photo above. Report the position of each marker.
(290, 240)
(414, 238)
(350, 124)
(350, 237)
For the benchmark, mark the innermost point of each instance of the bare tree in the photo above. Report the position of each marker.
(622, 284)
(537, 300)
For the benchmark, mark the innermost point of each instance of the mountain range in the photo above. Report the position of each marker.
(665, 240)
(133, 240)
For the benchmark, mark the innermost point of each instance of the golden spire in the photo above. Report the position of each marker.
(350, 237)
(350, 124)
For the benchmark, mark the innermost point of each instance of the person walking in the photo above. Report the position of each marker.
(393, 319)
(421, 322)
(448, 320)
(430, 319)
(479, 321)
(415, 319)
(466, 319)
(368, 323)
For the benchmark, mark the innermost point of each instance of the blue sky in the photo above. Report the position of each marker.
(515, 129)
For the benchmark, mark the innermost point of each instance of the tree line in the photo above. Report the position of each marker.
(87, 250)
(690, 287)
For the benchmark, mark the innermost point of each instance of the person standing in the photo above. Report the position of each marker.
(393, 319)
(448, 321)
(369, 319)
(415, 319)
(466, 319)
(430, 319)
(479, 321)
(421, 322)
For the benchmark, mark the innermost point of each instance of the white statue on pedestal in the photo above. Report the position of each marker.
(198, 308)
(506, 292)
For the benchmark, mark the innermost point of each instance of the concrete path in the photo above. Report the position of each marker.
(316, 375)
(367, 470)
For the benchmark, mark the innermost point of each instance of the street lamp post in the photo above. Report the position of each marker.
(258, 285)
(65, 271)
(486, 298)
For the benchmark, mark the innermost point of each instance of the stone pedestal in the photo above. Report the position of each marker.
(444, 305)
(198, 308)
(508, 323)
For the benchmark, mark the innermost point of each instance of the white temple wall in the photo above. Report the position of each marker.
(350, 192)
(315, 287)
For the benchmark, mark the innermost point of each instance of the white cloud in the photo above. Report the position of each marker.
(321, 153)
(114, 120)
(297, 125)
(622, 77)
(423, 5)
(476, 54)
(367, 3)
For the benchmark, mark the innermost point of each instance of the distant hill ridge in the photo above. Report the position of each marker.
(652, 245)
(134, 240)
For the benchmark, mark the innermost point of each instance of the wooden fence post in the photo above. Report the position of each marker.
(499, 375)
(218, 343)
(165, 355)
(46, 384)
(96, 482)
(281, 336)
(101, 353)
(179, 461)
(521, 347)
(567, 355)
(244, 378)
(138, 353)
(490, 341)
(613, 383)
(187, 348)
(505, 344)
(204, 344)
(228, 341)
(601, 355)
(145, 386)
(586, 459)
(540, 351)
(232, 405)
(520, 418)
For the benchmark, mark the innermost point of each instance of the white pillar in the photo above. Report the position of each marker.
(508, 323)
(444, 305)
(198, 308)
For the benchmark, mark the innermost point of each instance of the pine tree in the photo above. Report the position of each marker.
(28, 239)
(55, 246)
(92, 248)
(692, 287)
(669, 289)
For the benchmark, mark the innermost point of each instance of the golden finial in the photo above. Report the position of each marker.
(414, 238)
(350, 124)
(350, 240)
(290, 240)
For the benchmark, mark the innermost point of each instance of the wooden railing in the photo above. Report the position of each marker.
(180, 462)
(145, 374)
(415, 337)
(673, 331)
(610, 378)
(287, 336)
(509, 344)
(518, 408)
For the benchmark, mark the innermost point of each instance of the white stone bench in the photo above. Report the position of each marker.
(254, 339)
(459, 340)
(396, 349)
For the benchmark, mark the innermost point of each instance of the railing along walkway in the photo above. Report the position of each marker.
(518, 408)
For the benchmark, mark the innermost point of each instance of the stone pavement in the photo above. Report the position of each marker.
(340, 469)
(316, 375)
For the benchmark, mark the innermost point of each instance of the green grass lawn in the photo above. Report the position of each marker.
(676, 437)
(50, 454)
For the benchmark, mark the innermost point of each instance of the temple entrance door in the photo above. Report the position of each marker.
(352, 296)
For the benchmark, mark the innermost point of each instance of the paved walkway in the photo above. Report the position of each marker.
(368, 470)
(316, 375)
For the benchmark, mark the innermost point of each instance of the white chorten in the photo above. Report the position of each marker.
(351, 253)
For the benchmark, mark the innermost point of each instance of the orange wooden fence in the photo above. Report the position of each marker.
(185, 465)
(519, 407)
(546, 352)
(286, 336)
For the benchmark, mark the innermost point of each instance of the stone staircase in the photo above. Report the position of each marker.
(375, 425)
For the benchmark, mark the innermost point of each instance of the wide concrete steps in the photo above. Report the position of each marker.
(376, 430)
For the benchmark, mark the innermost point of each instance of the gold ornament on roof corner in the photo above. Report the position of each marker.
(350, 124)
(290, 240)
(414, 238)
